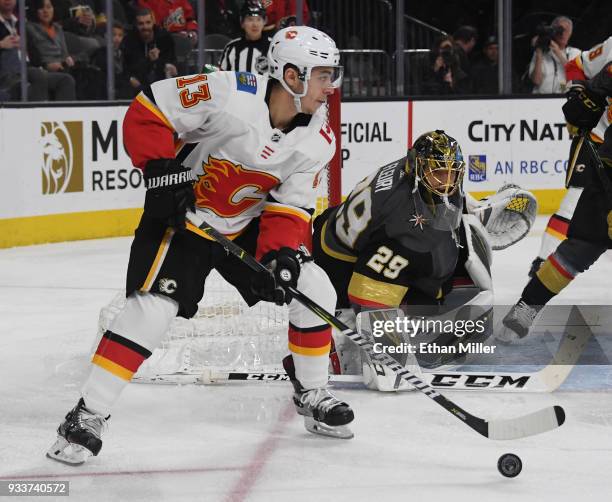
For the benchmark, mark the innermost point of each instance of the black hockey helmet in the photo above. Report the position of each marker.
(438, 162)
(252, 8)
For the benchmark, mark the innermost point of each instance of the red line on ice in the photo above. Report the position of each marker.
(264, 451)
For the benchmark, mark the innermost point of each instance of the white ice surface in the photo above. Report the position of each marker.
(245, 442)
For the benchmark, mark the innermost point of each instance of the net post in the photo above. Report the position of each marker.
(334, 178)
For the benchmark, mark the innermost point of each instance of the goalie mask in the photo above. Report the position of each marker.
(438, 163)
(303, 48)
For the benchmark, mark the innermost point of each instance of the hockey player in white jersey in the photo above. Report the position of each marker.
(578, 70)
(242, 153)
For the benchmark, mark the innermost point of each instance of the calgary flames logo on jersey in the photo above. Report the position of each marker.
(229, 189)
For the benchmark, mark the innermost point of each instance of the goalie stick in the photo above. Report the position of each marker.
(537, 422)
(548, 379)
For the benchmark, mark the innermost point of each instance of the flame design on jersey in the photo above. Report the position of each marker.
(229, 189)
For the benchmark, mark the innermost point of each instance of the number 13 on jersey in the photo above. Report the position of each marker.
(191, 98)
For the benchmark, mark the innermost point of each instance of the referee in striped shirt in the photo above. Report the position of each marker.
(248, 53)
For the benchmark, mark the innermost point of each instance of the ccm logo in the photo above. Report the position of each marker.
(266, 376)
(479, 381)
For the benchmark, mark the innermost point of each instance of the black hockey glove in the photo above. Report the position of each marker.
(284, 268)
(575, 88)
(169, 191)
(583, 110)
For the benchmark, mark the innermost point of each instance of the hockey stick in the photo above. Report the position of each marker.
(548, 379)
(527, 425)
(601, 170)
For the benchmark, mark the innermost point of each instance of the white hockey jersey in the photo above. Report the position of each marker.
(245, 167)
(586, 66)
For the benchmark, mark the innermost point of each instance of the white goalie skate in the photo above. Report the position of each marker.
(78, 436)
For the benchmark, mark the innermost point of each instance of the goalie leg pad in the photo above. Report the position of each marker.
(480, 256)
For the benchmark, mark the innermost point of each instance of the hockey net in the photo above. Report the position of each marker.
(226, 334)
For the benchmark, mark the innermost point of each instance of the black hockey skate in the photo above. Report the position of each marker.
(518, 322)
(323, 413)
(78, 436)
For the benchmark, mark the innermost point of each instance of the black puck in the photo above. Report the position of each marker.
(509, 465)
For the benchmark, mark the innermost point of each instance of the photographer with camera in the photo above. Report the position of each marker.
(552, 52)
(443, 74)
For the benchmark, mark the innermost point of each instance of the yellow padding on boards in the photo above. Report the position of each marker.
(68, 227)
(121, 222)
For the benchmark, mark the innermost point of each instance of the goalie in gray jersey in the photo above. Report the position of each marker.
(406, 236)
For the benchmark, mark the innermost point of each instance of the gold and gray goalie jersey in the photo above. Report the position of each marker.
(402, 242)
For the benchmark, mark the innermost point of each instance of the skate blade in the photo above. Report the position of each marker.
(321, 429)
(68, 453)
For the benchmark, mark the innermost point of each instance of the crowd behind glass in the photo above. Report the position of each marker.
(156, 39)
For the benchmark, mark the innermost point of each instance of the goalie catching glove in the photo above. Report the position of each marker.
(284, 267)
(508, 215)
(169, 191)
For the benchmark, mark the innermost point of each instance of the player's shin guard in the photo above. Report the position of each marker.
(309, 340)
(307, 367)
(142, 324)
(134, 334)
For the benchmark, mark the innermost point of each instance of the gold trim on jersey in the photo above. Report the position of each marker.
(146, 102)
(330, 252)
(365, 288)
(159, 259)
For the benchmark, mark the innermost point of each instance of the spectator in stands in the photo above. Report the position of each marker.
(119, 14)
(221, 16)
(10, 60)
(177, 17)
(123, 88)
(148, 51)
(552, 52)
(484, 72)
(249, 52)
(278, 10)
(443, 74)
(47, 48)
(465, 39)
(78, 19)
